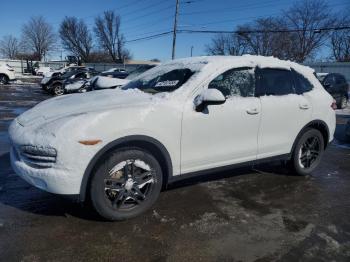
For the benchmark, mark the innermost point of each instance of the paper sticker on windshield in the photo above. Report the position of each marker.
(167, 83)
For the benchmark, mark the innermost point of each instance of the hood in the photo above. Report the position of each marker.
(75, 104)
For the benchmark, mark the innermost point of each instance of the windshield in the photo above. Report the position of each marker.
(138, 71)
(160, 81)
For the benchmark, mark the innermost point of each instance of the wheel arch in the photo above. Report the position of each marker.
(319, 125)
(156, 148)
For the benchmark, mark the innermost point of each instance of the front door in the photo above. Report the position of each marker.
(223, 134)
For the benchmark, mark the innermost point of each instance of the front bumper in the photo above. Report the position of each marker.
(53, 179)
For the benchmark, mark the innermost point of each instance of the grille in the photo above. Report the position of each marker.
(38, 157)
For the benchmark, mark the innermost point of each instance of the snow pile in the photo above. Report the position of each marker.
(104, 82)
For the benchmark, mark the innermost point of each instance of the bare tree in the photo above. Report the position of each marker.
(266, 36)
(107, 30)
(340, 40)
(76, 37)
(38, 36)
(9, 46)
(226, 44)
(305, 16)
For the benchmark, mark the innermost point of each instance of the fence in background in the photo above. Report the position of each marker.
(21, 65)
(320, 67)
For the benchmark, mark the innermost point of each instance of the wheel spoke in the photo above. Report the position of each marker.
(126, 171)
(132, 169)
(314, 153)
(138, 192)
(112, 184)
(118, 198)
(146, 181)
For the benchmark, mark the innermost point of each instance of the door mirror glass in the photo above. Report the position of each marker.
(208, 97)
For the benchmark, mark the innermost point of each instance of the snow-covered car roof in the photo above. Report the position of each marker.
(241, 61)
(210, 65)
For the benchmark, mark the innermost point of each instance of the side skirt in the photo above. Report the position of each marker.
(205, 172)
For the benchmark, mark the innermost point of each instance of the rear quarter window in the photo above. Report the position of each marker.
(302, 84)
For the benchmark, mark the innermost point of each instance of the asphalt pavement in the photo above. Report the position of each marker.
(262, 213)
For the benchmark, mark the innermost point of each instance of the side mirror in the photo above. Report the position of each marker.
(208, 97)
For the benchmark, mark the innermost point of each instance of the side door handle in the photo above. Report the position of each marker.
(304, 106)
(253, 111)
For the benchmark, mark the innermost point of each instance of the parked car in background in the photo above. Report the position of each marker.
(104, 82)
(63, 70)
(186, 117)
(7, 73)
(115, 73)
(321, 76)
(337, 86)
(347, 131)
(56, 85)
(42, 70)
(80, 84)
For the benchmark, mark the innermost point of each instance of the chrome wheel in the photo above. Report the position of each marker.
(59, 90)
(129, 184)
(309, 152)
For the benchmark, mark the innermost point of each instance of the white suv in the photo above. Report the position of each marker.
(185, 117)
(7, 73)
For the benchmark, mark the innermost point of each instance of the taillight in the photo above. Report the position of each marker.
(334, 105)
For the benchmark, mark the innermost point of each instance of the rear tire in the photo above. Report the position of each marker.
(308, 152)
(125, 184)
(4, 80)
(343, 102)
(58, 89)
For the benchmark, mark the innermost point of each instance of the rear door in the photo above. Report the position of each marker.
(285, 110)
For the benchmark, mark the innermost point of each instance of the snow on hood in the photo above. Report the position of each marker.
(75, 104)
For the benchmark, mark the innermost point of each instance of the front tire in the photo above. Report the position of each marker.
(126, 184)
(308, 152)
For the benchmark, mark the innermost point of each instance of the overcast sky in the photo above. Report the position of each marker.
(141, 18)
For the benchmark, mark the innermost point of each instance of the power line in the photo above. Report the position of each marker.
(114, 9)
(316, 30)
(234, 20)
(241, 8)
(232, 9)
(151, 13)
(140, 27)
(150, 37)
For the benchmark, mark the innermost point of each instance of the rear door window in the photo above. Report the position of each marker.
(276, 82)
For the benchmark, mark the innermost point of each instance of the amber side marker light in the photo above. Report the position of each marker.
(90, 142)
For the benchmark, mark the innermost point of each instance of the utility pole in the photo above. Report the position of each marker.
(175, 29)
